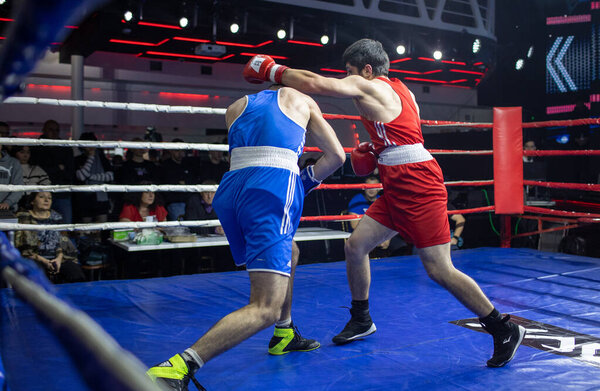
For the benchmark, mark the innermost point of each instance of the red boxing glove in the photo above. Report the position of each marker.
(263, 68)
(364, 159)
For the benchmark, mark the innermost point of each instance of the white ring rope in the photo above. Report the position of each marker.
(116, 105)
(108, 188)
(113, 144)
(107, 226)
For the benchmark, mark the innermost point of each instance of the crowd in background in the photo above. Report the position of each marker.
(45, 165)
(57, 252)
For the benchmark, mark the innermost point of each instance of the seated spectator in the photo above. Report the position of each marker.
(5, 132)
(529, 145)
(142, 205)
(4, 129)
(214, 168)
(32, 174)
(11, 173)
(358, 205)
(457, 225)
(92, 168)
(136, 168)
(176, 171)
(53, 251)
(199, 207)
(58, 163)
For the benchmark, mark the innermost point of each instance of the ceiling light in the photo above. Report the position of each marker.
(234, 28)
(476, 45)
(437, 55)
(519, 64)
(325, 39)
(128, 15)
(2, 2)
(183, 22)
(400, 49)
(281, 33)
(530, 52)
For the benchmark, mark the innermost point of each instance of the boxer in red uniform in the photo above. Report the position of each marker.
(414, 200)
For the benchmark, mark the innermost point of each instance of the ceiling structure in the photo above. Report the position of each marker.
(422, 26)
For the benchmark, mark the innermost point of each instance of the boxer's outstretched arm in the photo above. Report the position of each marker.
(324, 138)
(353, 86)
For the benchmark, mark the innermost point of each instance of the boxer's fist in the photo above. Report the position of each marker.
(263, 68)
(364, 159)
(307, 175)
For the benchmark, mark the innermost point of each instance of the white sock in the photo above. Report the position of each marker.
(197, 359)
(282, 324)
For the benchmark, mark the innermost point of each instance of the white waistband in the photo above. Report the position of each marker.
(243, 157)
(403, 154)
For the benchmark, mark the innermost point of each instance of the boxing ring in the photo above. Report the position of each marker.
(425, 339)
(416, 346)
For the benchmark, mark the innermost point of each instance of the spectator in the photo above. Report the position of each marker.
(11, 173)
(58, 162)
(358, 205)
(199, 207)
(534, 169)
(529, 145)
(93, 168)
(214, 168)
(117, 162)
(50, 249)
(32, 174)
(4, 129)
(136, 168)
(457, 225)
(141, 205)
(5, 132)
(176, 171)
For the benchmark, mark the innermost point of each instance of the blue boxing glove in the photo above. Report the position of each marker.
(307, 175)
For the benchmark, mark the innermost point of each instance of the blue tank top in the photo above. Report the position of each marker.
(262, 123)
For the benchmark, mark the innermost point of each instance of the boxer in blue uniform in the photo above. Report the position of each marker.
(259, 203)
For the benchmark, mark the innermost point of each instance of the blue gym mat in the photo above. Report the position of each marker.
(419, 343)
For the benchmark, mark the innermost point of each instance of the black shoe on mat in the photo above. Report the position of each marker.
(359, 326)
(507, 339)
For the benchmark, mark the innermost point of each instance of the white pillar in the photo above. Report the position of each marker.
(77, 93)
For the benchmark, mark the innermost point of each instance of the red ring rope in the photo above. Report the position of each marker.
(560, 185)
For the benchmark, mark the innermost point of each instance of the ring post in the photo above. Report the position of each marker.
(508, 167)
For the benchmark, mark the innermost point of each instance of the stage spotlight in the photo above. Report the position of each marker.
(437, 55)
(325, 39)
(2, 2)
(530, 52)
(183, 22)
(281, 33)
(128, 15)
(476, 45)
(519, 64)
(234, 28)
(400, 49)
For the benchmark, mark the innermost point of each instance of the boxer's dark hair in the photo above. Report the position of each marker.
(368, 51)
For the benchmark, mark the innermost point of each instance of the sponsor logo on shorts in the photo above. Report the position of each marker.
(549, 338)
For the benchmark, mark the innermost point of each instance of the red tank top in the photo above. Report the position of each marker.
(404, 129)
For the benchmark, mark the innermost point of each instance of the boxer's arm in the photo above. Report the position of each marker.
(353, 86)
(324, 137)
(234, 110)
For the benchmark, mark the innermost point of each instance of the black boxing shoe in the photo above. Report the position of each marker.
(359, 326)
(507, 339)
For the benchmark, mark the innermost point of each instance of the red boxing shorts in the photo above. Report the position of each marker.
(414, 203)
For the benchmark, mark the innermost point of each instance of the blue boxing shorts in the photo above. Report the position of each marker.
(259, 209)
